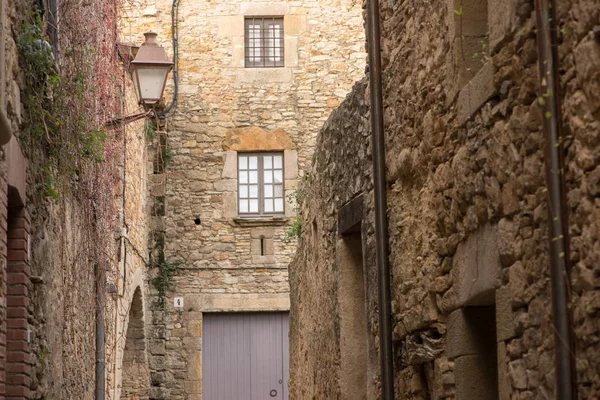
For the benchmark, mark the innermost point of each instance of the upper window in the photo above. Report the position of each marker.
(260, 184)
(264, 42)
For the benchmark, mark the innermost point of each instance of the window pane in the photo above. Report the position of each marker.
(268, 190)
(268, 205)
(278, 205)
(254, 205)
(253, 162)
(254, 191)
(253, 176)
(268, 162)
(243, 162)
(278, 191)
(278, 161)
(243, 191)
(243, 176)
(268, 176)
(243, 206)
(278, 176)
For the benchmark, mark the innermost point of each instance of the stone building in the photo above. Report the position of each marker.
(64, 284)
(467, 212)
(257, 79)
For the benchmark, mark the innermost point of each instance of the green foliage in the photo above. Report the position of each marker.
(295, 230)
(51, 186)
(459, 12)
(150, 130)
(163, 282)
(41, 78)
(169, 154)
(92, 144)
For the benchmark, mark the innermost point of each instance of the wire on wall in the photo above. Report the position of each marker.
(172, 107)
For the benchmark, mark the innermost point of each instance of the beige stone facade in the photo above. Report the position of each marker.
(228, 262)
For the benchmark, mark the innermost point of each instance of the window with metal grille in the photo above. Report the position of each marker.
(264, 42)
(260, 184)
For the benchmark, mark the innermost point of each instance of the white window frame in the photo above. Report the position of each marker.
(266, 181)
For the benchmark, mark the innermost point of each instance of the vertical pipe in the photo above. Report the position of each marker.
(566, 379)
(381, 228)
(100, 337)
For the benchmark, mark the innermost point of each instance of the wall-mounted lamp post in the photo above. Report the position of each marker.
(149, 71)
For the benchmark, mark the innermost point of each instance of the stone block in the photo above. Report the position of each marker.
(230, 25)
(500, 21)
(294, 25)
(266, 232)
(504, 315)
(470, 331)
(476, 93)
(264, 9)
(476, 268)
(503, 383)
(229, 204)
(290, 159)
(265, 75)
(472, 22)
(291, 51)
(476, 378)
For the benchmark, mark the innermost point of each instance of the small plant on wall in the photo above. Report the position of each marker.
(163, 281)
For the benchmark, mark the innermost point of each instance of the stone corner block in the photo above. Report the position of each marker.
(230, 25)
(230, 166)
(476, 377)
(476, 268)
(504, 316)
(290, 159)
(500, 21)
(294, 25)
(470, 332)
(476, 93)
(229, 204)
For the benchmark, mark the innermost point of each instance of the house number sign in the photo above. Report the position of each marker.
(178, 302)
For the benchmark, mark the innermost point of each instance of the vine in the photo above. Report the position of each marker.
(163, 281)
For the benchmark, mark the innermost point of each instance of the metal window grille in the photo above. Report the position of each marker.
(264, 42)
(260, 184)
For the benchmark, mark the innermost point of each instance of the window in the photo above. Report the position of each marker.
(260, 184)
(264, 42)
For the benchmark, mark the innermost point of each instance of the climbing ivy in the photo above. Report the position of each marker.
(163, 281)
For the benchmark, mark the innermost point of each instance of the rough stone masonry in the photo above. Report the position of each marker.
(467, 210)
(224, 110)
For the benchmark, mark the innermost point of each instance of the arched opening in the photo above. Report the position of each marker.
(135, 382)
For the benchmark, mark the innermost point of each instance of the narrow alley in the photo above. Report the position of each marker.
(300, 199)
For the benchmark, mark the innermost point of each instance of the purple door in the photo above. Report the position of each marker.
(245, 356)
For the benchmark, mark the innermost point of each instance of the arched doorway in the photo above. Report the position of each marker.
(135, 378)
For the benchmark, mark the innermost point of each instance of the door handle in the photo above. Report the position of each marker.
(280, 381)
(273, 393)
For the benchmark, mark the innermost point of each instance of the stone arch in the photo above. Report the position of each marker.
(135, 372)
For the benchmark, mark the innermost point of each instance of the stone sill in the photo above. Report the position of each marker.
(261, 221)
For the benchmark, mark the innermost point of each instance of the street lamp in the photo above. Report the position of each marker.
(149, 71)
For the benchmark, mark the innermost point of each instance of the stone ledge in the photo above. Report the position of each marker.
(261, 221)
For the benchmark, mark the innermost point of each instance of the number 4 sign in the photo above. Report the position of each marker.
(178, 302)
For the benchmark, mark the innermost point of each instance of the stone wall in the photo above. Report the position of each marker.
(467, 208)
(57, 247)
(225, 109)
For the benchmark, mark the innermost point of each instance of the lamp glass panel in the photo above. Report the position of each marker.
(152, 81)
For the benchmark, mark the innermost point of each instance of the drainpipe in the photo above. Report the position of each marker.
(381, 226)
(100, 340)
(566, 378)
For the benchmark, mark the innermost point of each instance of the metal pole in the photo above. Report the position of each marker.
(381, 228)
(566, 378)
(100, 337)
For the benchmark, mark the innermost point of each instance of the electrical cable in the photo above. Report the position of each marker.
(172, 107)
